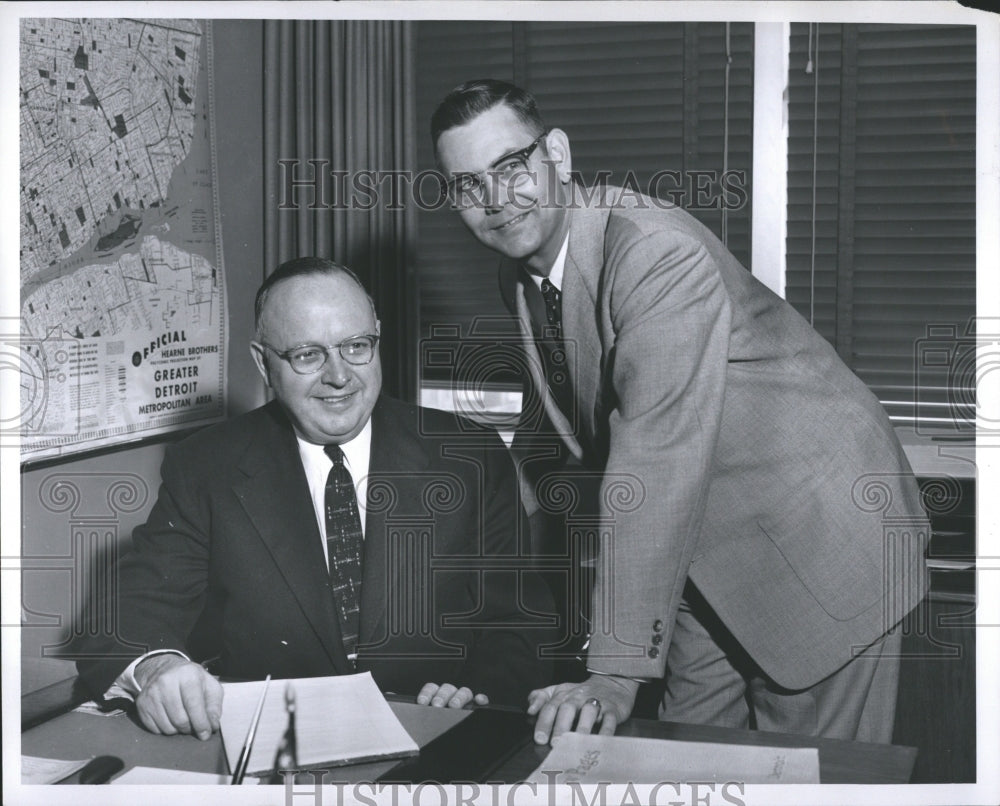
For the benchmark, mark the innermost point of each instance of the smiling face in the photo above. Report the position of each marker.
(330, 406)
(525, 220)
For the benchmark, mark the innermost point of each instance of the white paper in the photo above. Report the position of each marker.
(92, 708)
(159, 775)
(591, 759)
(338, 720)
(35, 770)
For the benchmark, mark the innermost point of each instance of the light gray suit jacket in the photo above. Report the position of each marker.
(736, 449)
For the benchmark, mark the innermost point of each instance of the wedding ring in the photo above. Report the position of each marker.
(595, 702)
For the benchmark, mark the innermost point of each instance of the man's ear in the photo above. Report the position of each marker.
(557, 147)
(257, 351)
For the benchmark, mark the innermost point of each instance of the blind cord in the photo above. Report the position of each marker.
(725, 136)
(813, 68)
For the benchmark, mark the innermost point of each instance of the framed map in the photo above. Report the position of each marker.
(123, 330)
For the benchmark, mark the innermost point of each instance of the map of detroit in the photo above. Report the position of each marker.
(160, 287)
(107, 114)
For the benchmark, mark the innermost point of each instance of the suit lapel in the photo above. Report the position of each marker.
(581, 326)
(537, 371)
(276, 498)
(395, 485)
(581, 278)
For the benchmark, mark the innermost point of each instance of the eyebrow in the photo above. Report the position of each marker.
(462, 174)
(346, 338)
(504, 156)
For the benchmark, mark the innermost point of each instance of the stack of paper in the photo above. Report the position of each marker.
(589, 759)
(339, 720)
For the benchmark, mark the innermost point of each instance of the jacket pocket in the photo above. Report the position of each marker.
(835, 547)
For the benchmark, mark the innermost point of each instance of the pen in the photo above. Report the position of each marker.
(244, 759)
(286, 759)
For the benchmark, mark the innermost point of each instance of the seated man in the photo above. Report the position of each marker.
(259, 555)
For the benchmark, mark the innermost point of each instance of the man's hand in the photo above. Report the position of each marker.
(178, 696)
(603, 699)
(447, 695)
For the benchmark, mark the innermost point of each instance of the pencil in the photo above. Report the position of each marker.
(244, 759)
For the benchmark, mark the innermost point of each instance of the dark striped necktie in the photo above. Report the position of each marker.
(344, 544)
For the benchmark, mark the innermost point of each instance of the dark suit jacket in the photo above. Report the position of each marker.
(230, 565)
(736, 450)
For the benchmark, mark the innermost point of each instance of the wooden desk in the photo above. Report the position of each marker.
(78, 735)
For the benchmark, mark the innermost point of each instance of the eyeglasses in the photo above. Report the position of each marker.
(466, 188)
(310, 358)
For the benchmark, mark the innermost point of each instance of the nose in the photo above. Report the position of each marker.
(492, 194)
(336, 371)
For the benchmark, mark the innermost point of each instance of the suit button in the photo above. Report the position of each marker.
(657, 639)
(653, 652)
(657, 626)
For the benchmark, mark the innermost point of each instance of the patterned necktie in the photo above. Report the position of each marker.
(553, 350)
(344, 544)
(553, 306)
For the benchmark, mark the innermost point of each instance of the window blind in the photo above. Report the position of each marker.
(456, 274)
(881, 207)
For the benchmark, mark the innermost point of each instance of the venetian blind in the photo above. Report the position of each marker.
(881, 207)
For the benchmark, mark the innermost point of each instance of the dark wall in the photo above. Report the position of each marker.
(60, 539)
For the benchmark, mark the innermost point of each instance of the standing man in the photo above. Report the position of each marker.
(330, 531)
(753, 569)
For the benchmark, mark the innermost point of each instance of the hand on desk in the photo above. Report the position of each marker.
(178, 696)
(559, 707)
(447, 695)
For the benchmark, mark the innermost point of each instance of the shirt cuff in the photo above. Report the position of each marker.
(126, 685)
(623, 676)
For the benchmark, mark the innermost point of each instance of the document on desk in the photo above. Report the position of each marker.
(35, 770)
(158, 776)
(590, 759)
(339, 720)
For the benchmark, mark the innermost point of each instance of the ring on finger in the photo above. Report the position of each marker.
(595, 702)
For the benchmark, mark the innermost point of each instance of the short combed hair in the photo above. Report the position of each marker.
(301, 267)
(471, 99)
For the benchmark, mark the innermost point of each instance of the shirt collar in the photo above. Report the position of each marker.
(555, 275)
(357, 453)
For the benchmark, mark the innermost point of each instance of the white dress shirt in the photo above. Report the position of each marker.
(357, 454)
(315, 462)
(555, 274)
